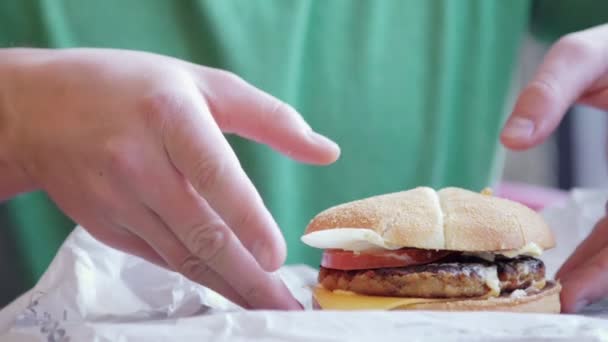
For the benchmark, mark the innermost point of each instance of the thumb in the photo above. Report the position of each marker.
(570, 68)
(586, 284)
(240, 108)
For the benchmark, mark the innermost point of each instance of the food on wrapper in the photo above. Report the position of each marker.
(421, 249)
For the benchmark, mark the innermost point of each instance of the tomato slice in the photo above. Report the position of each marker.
(347, 260)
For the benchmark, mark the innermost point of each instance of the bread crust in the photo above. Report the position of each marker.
(546, 301)
(451, 219)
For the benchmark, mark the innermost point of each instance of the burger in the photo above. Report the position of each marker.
(421, 249)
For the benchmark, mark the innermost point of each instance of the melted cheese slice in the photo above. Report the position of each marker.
(344, 300)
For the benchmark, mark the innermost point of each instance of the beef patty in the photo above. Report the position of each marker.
(458, 277)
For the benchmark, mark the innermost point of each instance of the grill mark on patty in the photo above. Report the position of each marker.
(519, 275)
(454, 277)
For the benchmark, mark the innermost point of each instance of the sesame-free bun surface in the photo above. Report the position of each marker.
(449, 219)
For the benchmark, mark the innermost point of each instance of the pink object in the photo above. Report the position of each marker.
(535, 197)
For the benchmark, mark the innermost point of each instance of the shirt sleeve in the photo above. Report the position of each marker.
(552, 19)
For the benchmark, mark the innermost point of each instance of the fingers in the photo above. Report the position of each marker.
(152, 230)
(197, 148)
(596, 95)
(598, 99)
(586, 284)
(584, 275)
(185, 211)
(245, 110)
(206, 237)
(199, 151)
(211, 255)
(570, 68)
(218, 247)
(597, 240)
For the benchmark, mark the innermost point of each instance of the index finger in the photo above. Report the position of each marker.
(572, 65)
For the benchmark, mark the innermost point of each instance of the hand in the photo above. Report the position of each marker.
(574, 71)
(130, 145)
(584, 275)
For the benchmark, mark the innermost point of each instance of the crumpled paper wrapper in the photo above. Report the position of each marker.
(92, 292)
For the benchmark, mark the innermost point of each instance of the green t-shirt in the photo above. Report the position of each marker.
(413, 91)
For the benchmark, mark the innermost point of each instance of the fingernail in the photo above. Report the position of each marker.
(321, 139)
(580, 305)
(519, 128)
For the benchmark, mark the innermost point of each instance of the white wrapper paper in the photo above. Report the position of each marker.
(94, 293)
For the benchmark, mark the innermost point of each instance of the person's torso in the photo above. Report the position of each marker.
(413, 91)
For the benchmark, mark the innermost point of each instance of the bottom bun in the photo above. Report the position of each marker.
(545, 301)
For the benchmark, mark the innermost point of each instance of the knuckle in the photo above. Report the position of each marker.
(158, 107)
(194, 269)
(284, 115)
(207, 172)
(544, 86)
(251, 292)
(121, 158)
(207, 241)
(279, 111)
(228, 76)
(279, 108)
(577, 45)
(246, 218)
(255, 291)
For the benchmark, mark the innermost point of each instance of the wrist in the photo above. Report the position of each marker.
(13, 176)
